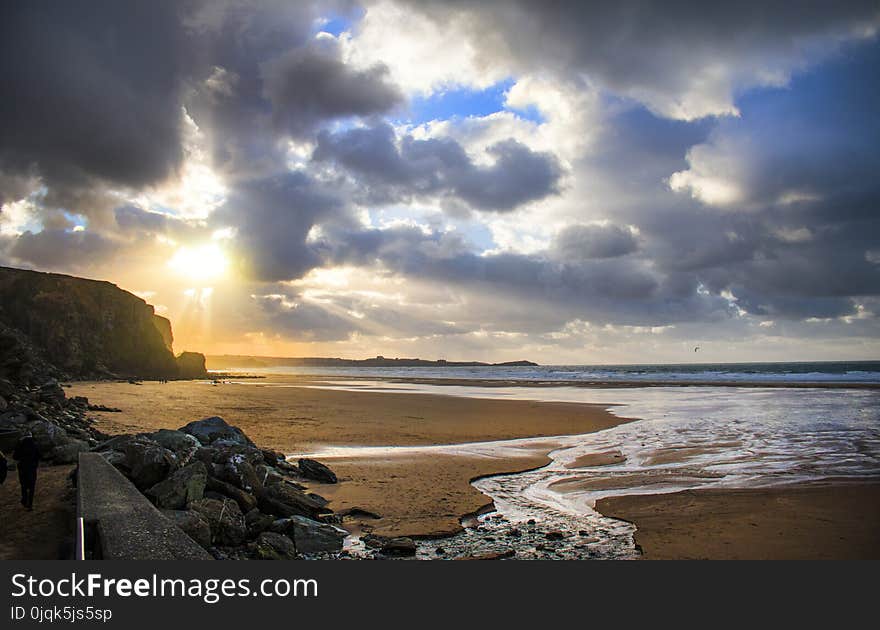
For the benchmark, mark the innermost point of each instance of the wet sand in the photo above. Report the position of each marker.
(47, 532)
(420, 495)
(836, 519)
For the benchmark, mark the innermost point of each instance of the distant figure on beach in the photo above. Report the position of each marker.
(27, 454)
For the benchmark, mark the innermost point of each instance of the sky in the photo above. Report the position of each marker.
(566, 182)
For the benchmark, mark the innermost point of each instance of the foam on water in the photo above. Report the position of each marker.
(684, 439)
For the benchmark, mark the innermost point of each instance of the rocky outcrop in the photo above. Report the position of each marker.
(191, 365)
(234, 499)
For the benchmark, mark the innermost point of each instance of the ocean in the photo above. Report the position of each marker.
(800, 372)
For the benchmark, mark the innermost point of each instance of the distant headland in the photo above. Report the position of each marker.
(229, 361)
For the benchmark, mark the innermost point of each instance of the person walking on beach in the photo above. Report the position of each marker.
(27, 454)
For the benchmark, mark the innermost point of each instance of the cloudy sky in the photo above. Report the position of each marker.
(567, 182)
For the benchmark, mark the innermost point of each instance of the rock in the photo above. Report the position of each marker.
(103, 408)
(51, 393)
(272, 546)
(6, 388)
(399, 547)
(3, 404)
(311, 469)
(317, 498)
(180, 488)
(514, 533)
(270, 457)
(246, 502)
(357, 512)
(267, 475)
(238, 472)
(555, 535)
(285, 466)
(209, 430)
(12, 420)
(440, 551)
(310, 536)
(48, 435)
(68, 453)
(191, 365)
(225, 520)
(147, 462)
(373, 541)
(115, 458)
(192, 524)
(117, 443)
(284, 500)
(257, 522)
(178, 442)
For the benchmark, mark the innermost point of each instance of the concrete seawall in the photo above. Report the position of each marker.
(119, 523)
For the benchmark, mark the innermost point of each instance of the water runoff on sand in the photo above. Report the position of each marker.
(684, 438)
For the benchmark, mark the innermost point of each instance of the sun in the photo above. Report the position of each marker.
(200, 263)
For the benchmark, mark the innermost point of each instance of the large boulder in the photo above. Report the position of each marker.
(225, 520)
(181, 444)
(192, 524)
(68, 453)
(310, 536)
(180, 488)
(311, 469)
(47, 435)
(147, 462)
(284, 500)
(210, 430)
(246, 502)
(257, 522)
(236, 470)
(116, 443)
(273, 546)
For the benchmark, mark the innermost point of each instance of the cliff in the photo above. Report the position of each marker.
(87, 328)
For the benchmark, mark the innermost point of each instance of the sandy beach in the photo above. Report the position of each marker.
(424, 492)
(830, 520)
(417, 495)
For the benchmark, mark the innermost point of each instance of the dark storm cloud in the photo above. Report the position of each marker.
(578, 242)
(265, 76)
(273, 217)
(623, 290)
(92, 91)
(684, 60)
(441, 167)
(58, 249)
(311, 84)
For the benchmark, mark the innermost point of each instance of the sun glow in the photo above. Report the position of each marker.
(205, 262)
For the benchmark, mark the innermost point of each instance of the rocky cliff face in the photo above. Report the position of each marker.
(86, 328)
